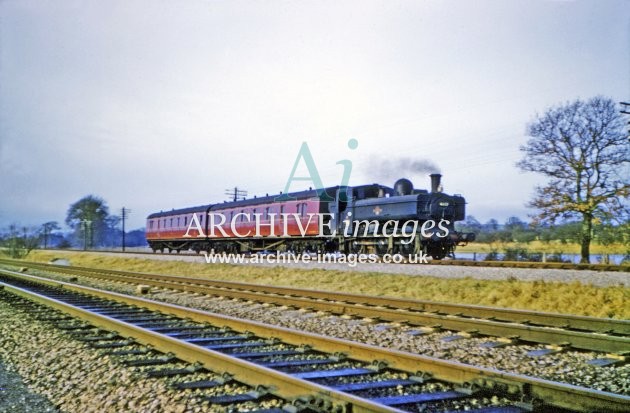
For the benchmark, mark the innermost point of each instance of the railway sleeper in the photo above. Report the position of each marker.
(105, 340)
(225, 378)
(315, 405)
(610, 360)
(521, 390)
(257, 395)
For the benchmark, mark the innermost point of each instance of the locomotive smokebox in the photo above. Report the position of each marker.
(403, 187)
(435, 182)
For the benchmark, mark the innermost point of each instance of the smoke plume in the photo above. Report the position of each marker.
(386, 170)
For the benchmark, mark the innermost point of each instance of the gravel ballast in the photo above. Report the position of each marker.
(566, 366)
(77, 378)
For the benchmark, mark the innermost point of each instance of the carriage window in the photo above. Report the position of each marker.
(151, 224)
(164, 223)
(170, 224)
(186, 220)
(201, 218)
(177, 222)
(267, 214)
(242, 216)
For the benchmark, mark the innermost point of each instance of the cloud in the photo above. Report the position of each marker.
(154, 105)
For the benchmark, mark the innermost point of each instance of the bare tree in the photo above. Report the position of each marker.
(582, 147)
(18, 244)
(46, 229)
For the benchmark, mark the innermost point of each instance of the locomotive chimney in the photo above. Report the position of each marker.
(435, 182)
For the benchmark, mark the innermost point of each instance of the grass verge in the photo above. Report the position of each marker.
(569, 298)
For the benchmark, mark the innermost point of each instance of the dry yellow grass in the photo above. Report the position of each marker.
(548, 247)
(569, 298)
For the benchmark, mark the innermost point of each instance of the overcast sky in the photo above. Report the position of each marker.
(156, 105)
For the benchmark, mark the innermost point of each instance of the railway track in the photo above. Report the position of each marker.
(511, 326)
(308, 372)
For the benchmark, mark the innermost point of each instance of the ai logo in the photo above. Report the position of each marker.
(313, 174)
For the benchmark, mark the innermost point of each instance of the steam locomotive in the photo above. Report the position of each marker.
(348, 219)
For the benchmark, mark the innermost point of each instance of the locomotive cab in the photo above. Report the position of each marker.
(366, 210)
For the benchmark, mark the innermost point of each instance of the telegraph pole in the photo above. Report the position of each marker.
(124, 216)
(625, 109)
(236, 193)
(87, 226)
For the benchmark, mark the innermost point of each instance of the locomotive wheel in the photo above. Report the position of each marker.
(381, 247)
(437, 252)
(355, 247)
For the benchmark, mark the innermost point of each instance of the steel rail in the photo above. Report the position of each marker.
(525, 325)
(282, 385)
(584, 323)
(552, 393)
(528, 333)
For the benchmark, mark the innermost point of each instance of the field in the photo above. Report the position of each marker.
(570, 298)
(552, 247)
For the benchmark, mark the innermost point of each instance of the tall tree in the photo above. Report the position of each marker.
(583, 148)
(88, 217)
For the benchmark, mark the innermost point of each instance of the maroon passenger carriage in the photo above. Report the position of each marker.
(168, 230)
